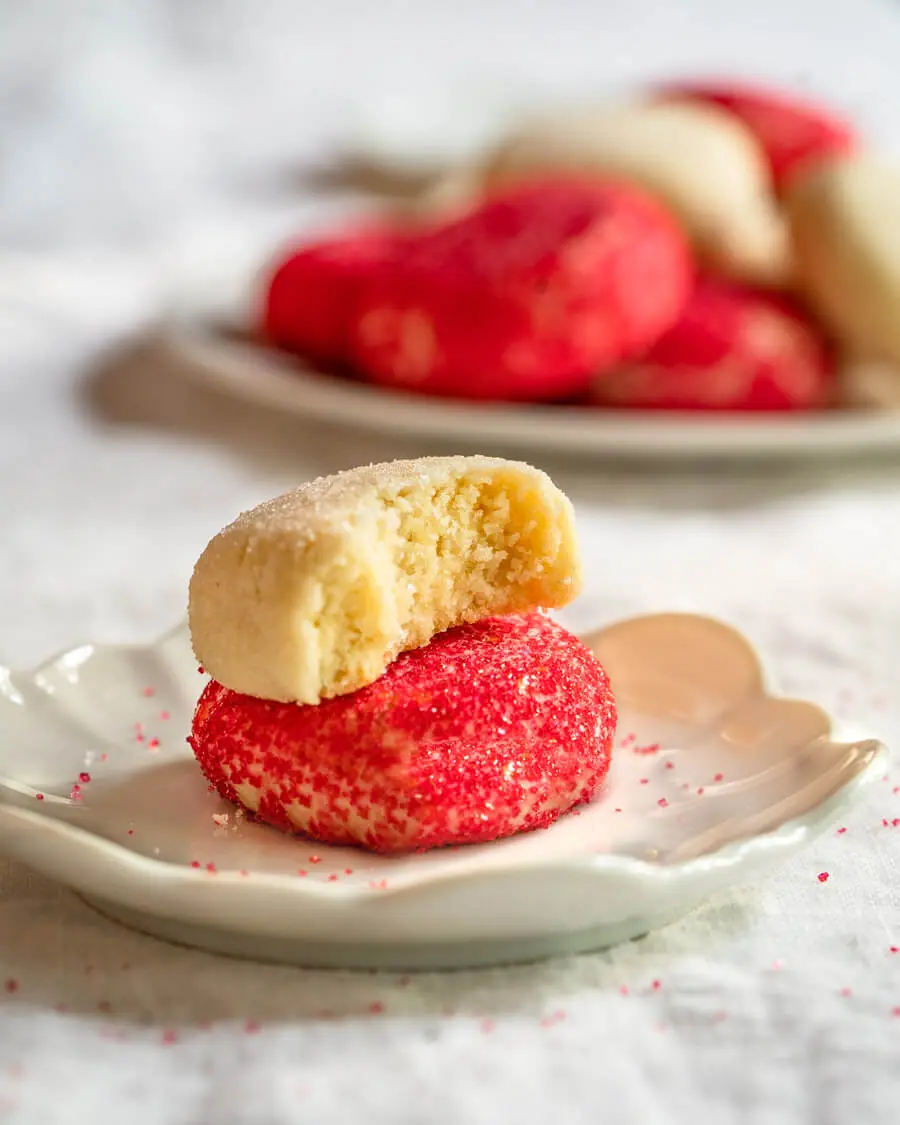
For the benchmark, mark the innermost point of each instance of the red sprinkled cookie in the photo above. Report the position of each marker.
(791, 132)
(491, 729)
(525, 297)
(313, 290)
(735, 349)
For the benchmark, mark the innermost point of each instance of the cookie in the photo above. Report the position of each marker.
(734, 349)
(310, 296)
(313, 594)
(698, 159)
(793, 134)
(490, 729)
(845, 221)
(525, 297)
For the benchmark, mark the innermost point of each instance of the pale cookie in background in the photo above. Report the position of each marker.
(314, 593)
(845, 224)
(698, 159)
(870, 384)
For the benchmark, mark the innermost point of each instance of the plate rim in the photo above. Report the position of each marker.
(286, 383)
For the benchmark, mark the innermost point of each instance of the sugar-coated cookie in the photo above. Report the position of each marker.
(314, 593)
(491, 729)
(735, 349)
(526, 296)
(793, 133)
(845, 221)
(312, 290)
(698, 159)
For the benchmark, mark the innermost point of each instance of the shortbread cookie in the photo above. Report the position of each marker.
(734, 349)
(491, 729)
(697, 158)
(526, 297)
(845, 220)
(313, 594)
(311, 293)
(794, 134)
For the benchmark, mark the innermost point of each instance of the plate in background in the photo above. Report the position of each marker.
(220, 359)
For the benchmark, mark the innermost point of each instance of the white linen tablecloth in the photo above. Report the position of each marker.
(139, 143)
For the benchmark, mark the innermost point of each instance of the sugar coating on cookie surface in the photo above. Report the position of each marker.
(526, 296)
(491, 729)
(697, 158)
(311, 292)
(735, 348)
(314, 593)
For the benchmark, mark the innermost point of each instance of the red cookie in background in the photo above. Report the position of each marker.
(490, 729)
(734, 349)
(313, 290)
(527, 296)
(791, 132)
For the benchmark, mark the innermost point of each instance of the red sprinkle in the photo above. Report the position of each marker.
(104, 1006)
(104, 757)
(840, 832)
(623, 989)
(663, 803)
(895, 1012)
(39, 796)
(12, 985)
(656, 985)
(153, 743)
(315, 859)
(75, 794)
(376, 1007)
(169, 1037)
(201, 669)
(645, 781)
(700, 791)
(719, 777)
(130, 831)
(670, 765)
(302, 872)
(332, 878)
(846, 992)
(823, 876)
(554, 1018)
(84, 777)
(650, 748)
(348, 870)
(148, 691)
(895, 949)
(211, 867)
(251, 1027)
(195, 863)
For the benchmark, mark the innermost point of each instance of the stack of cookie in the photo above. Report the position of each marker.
(383, 669)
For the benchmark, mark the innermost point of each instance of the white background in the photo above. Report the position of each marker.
(149, 145)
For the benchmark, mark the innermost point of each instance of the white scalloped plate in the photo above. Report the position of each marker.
(713, 782)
